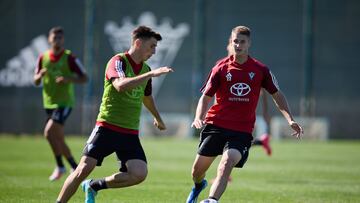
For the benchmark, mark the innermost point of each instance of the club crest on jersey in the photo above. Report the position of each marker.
(251, 75)
(228, 76)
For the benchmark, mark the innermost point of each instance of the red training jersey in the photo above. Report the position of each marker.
(237, 88)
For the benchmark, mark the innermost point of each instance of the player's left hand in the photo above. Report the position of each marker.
(159, 124)
(298, 129)
(161, 71)
(197, 123)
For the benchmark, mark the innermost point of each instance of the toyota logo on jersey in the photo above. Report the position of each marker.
(240, 89)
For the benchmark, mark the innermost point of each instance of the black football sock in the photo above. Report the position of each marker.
(211, 197)
(59, 161)
(198, 186)
(98, 184)
(72, 162)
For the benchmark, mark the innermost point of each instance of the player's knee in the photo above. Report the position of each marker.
(81, 172)
(49, 132)
(137, 171)
(139, 176)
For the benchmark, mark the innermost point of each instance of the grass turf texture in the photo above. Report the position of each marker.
(297, 172)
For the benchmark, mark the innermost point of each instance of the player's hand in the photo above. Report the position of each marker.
(161, 71)
(42, 72)
(298, 129)
(197, 123)
(159, 124)
(62, 80)
(39, 75)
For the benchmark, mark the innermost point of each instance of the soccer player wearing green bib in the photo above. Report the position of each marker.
(58, 69)
(127, 86)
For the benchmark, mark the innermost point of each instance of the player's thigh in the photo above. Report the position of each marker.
(212, 141)
(240, 142)
(230, 158)
(85, 166)
(129, 148)
(100, 144)
(54, 130)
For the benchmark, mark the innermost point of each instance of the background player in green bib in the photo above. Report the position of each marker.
(127, 86)
(58, 69)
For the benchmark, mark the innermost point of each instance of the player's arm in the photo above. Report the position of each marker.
(283, 106)
(149, 103)
(209, 88)
(271, 85)
(38, 76)
(201, 110)
(126, 83)
(39, 72)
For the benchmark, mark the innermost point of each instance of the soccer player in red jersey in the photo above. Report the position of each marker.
(264, 139)
(58, 69)
(236, 82)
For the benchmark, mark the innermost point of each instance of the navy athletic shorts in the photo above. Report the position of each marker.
(215, 140)
(103, 142)
(58, 115)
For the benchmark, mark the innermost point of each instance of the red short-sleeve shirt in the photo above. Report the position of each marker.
(237, 88)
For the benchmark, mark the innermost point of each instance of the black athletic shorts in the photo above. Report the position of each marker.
(58, 115)
(215, 140)
(103, 142)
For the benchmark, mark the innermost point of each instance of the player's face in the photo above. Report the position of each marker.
(56, 40)
(148, 48)
(240, 44)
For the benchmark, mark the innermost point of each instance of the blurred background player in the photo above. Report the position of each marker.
(57, 69)
(127, 86)
(236, 82)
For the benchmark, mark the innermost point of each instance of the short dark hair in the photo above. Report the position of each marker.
(143, 32)
(56, 30)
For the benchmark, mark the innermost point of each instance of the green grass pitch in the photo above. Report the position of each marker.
(298, 171)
